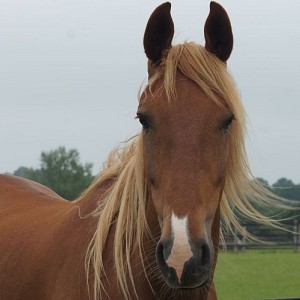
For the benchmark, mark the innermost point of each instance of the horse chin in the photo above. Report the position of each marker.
(172, 281)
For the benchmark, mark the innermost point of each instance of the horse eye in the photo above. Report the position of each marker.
(227, 123)
(143, 122)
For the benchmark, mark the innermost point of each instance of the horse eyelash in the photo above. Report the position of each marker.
(143, 120)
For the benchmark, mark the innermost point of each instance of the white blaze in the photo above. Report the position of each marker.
(181, 250)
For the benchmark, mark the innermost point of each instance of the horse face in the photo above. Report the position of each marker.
(186, 150)
(185, 153)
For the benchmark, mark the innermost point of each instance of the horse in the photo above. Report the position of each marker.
(149, 226)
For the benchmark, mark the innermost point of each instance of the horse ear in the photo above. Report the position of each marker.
(218, 32)
(159, 33)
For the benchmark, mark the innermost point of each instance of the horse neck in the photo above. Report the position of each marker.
(90, 201)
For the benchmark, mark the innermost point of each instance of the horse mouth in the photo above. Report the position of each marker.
(186, 281)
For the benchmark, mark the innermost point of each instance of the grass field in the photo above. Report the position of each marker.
(258, 274)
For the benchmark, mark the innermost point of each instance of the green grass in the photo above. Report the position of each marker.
(258, 274)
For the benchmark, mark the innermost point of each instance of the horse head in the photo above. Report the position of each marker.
(185, 144)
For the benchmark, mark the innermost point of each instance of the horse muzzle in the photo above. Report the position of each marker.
(192, 272)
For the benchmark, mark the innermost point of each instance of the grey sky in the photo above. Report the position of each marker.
(70, 71)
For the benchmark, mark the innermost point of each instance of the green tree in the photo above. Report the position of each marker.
(287, 189)
(29, 173)
(61, 171)
(284, 188)
(263, 181)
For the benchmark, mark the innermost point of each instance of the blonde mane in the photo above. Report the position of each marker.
(124, 203)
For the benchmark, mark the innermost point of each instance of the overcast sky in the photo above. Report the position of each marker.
(70, 71)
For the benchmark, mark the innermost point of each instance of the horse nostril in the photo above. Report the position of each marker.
(162, 252)
(196, 269)
(201, 251)
(160, 255)
(206, 254)
(205, 257)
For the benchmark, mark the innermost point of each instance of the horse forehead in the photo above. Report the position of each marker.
(189, 103)
(193, 113)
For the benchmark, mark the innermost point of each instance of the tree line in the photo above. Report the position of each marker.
(61, 171)
(283, 187)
